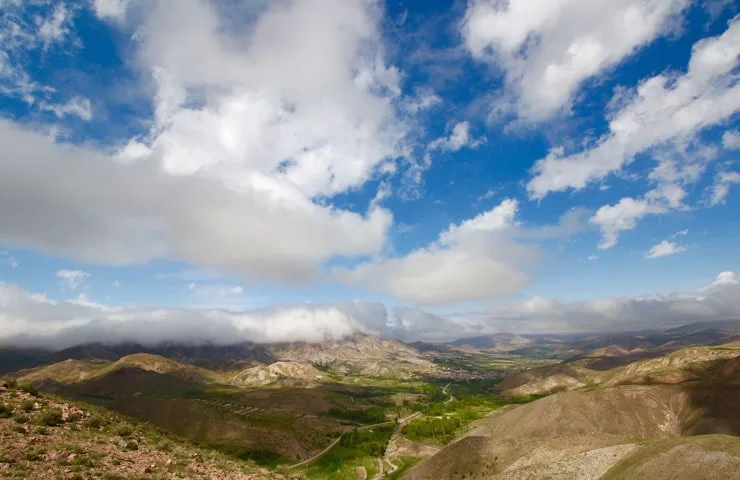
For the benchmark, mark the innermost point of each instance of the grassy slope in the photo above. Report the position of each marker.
(47, 437)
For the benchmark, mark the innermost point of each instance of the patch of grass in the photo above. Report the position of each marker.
(370, 442)
(21, 418)
(50, 417)
(11, 383)
(96, 421)
(357, 448)
(28, 388)
(32, 457)
(73, 417)
(5, 411)
(262, 457)
(42, 430)
(164, 446)
(27, 405)
(365, 416)
(442, 430)
(404, 464)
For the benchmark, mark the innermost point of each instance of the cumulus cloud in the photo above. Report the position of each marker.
(72, 278)
(613, 219)
(663, 108)
(664, 249)
(113, 213)
(548, 49)
(28, 319)
(473, 260)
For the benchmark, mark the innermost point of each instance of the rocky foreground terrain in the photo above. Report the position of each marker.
(45, 437)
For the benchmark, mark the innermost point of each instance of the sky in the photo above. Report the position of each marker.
(195, 170)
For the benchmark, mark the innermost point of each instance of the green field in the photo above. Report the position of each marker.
(357, 448)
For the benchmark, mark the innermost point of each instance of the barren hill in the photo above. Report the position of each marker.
(360, 353)
(588, 434)
(285, 373)
(681, 365)
(71, 371)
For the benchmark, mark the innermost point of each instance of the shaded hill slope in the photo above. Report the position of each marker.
(682, 365)
(59, 439)
(586, 434)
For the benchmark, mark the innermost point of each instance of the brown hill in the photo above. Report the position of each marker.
(71, 371)
(588, 434)
(58, 439)
(359, 354)
(282, 373)
(681, 365)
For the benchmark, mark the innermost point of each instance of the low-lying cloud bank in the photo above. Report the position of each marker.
(28, 319)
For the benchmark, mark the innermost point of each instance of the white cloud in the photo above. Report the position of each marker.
(548, 49)
(664, 249)
(614, 219)
(721, 187)
(77, 106)
(664, 108)
(731, 139)
(253, 131)
(294, 107)
(726, 278)
(33, 319)
(56, 26)
(113, 213)
(592, 257)
(459, 138)
(473, 260)
(681, 233)
(72, 278)
(111, 9)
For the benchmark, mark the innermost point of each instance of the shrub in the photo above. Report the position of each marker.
(11, 383)
(5, 411)
(73, 417)
(28, 388)
(50, 417)
(95, 422)
(31, 457)
(164, 446)
(42, 430)
(27, 405)
(20, 418)
(124, 430)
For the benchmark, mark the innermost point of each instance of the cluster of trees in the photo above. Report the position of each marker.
(441, 429)
(366, 416)
(370, 442)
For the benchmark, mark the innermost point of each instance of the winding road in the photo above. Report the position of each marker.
(401, 423)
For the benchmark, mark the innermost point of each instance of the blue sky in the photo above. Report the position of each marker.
(268, 158)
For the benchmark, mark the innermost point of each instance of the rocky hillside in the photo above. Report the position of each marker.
(608, 433)
(44, 437)
(679, 366)
(361, 354)
(282, 373)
